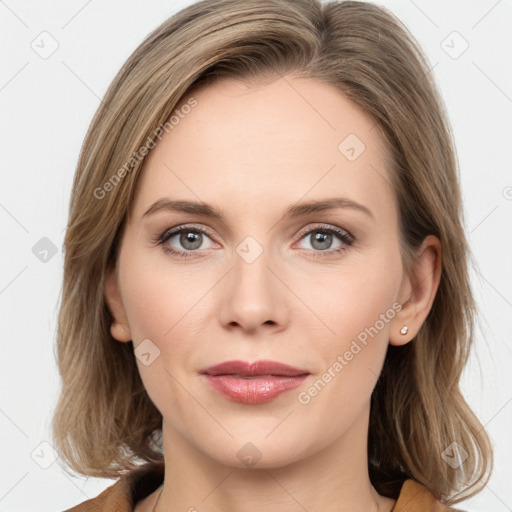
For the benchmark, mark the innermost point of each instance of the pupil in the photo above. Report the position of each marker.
(190, 240)
(322, 238)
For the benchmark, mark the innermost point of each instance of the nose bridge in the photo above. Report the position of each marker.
(252, 296)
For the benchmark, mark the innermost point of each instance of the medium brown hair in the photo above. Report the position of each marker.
(105, 422)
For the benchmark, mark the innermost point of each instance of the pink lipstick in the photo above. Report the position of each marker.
(254, 383)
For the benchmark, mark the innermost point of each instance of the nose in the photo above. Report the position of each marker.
(251, 296)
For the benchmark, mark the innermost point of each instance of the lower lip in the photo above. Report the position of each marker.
(254, 390)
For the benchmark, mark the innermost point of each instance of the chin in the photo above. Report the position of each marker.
(260, 453)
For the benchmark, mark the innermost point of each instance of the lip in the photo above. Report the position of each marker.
(263, 367)
(253, 383)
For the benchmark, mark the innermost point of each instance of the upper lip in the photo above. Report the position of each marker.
(263, 367)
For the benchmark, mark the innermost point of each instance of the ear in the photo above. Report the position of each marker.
(119, 329)
(417, 292)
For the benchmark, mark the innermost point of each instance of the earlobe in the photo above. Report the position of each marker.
(419, 291)
(119, 328)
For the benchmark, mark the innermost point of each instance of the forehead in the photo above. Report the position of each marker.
(274, 141)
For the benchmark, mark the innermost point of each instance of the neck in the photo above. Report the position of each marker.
(334, 479)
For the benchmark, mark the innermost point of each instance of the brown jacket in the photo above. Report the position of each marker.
(137, 484)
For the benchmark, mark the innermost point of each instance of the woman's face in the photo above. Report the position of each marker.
(313, 287)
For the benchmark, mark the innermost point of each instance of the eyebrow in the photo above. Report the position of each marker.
(296, 210)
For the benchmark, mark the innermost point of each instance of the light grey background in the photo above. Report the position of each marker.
(47, 102)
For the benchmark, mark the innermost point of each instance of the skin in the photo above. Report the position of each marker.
(252, 151)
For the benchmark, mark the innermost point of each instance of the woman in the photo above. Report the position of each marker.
(266, 295)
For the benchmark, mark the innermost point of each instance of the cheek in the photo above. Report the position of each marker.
(355, 298)
(359, 309)
(358, 305)
(168, 306)
(159, 307)
(157, 295)
(365, 302)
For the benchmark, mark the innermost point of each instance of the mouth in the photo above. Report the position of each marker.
(255, 383)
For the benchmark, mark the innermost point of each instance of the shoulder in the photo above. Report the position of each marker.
(125, 492)
(415, 497)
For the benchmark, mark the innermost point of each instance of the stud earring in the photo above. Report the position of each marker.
(404, 329)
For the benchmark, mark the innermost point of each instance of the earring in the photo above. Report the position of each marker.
(404, 329)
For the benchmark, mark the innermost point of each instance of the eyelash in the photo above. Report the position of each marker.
(341, 234)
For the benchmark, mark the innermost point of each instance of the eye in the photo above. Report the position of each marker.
(321, 239)
(188, 240)
(184, 241)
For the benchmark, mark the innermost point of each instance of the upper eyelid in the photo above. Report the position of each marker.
(173, 231)
(325, 226)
